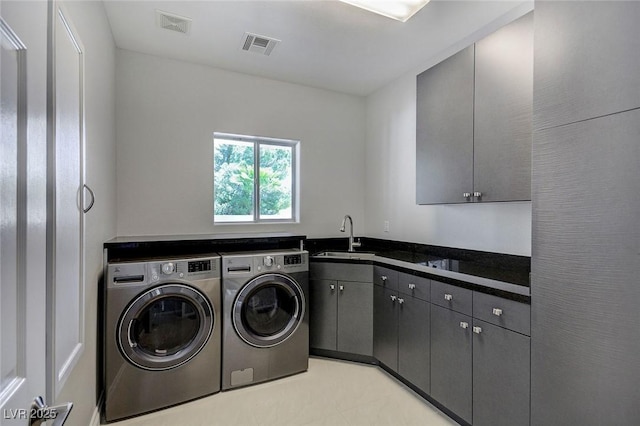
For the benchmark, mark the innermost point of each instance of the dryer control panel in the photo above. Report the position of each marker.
(248, 264)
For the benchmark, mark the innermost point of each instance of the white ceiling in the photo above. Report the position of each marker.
(325, 43)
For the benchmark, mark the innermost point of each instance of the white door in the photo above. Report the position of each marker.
(23, 64)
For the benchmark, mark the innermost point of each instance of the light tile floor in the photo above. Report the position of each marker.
(331, 393)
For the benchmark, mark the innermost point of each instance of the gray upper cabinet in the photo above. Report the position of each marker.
(503, 111)
(444, 133)
(473, 134)
(586, 60)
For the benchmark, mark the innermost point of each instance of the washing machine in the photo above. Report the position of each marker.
(266, 316)
(162, 334)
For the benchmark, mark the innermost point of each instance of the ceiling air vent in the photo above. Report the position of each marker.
(258, 44)
(170, 21)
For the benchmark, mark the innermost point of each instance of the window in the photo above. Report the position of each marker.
(254, 179)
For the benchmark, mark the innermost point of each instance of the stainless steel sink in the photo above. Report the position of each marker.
(344, 255)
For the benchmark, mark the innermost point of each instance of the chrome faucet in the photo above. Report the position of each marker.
(352, 243)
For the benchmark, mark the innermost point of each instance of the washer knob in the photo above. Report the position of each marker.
(268, 261)
(168, 268)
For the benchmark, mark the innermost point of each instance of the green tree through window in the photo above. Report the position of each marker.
(237, 162)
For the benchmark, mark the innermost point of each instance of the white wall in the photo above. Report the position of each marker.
(91, 23)
(167, 112)
(391, 178)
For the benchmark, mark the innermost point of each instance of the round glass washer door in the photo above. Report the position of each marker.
(268, 310)
(165, 327)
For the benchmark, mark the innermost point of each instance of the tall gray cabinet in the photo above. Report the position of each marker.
(586, 207)
(473, 134)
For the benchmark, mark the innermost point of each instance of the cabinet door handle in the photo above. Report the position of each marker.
(383, 278)
(477, 330)
(466, 195)
(477, 194)
(412, 286)
(497, 312)
(400, 301)
(464, 324)
(393, 298)
(341, 288)
(332, 287)
(93, 198)
(448, 297)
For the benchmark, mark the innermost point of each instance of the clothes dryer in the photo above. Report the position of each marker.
(266, 316)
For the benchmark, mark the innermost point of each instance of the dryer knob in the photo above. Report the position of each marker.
(268, 261)
(168, 268)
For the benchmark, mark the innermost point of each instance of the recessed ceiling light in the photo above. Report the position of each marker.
(401, 10)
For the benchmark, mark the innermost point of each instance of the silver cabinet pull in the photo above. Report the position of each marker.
(400, 300)
(332, 287)
(448, 297)
(383, 278)
(412, 286)
(393, 298)
(477, 194)
(93, 198)
(497, 312)
(466, 195)
(464, 324)
(477, 330)
(341, 288)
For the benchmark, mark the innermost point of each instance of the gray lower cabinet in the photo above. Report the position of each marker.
(323, 318)
(385, 327)
(501, 376)
(414, 341)
(341, 317)
(401, 326)
(355, 317)
(385, 316)
(452, 360)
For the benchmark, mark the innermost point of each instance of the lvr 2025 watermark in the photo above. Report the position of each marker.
(32, 413)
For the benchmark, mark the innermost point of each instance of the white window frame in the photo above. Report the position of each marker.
(257, 141)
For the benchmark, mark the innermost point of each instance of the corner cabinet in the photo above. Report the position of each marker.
(474, 114)
(402, 325)
(341, 308)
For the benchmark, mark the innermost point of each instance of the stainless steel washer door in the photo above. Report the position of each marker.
(165, 327)
(268, 310)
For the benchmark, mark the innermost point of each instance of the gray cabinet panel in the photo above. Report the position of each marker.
(414, 286)
(585, 268)
(355, 317)
(385, 327)
(385, 277)
(444, 133)
(323, 314)
(586, 60)
(340, 271)
(503, 110)
(506, 313)
(501, 376)
(451, 361)
(414, 339)
(452, 297)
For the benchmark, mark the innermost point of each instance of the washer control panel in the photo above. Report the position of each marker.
(282, 262)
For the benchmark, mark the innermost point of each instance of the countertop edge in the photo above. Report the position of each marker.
(483, 283)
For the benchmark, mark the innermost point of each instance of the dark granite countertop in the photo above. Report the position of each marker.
(495, 273)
